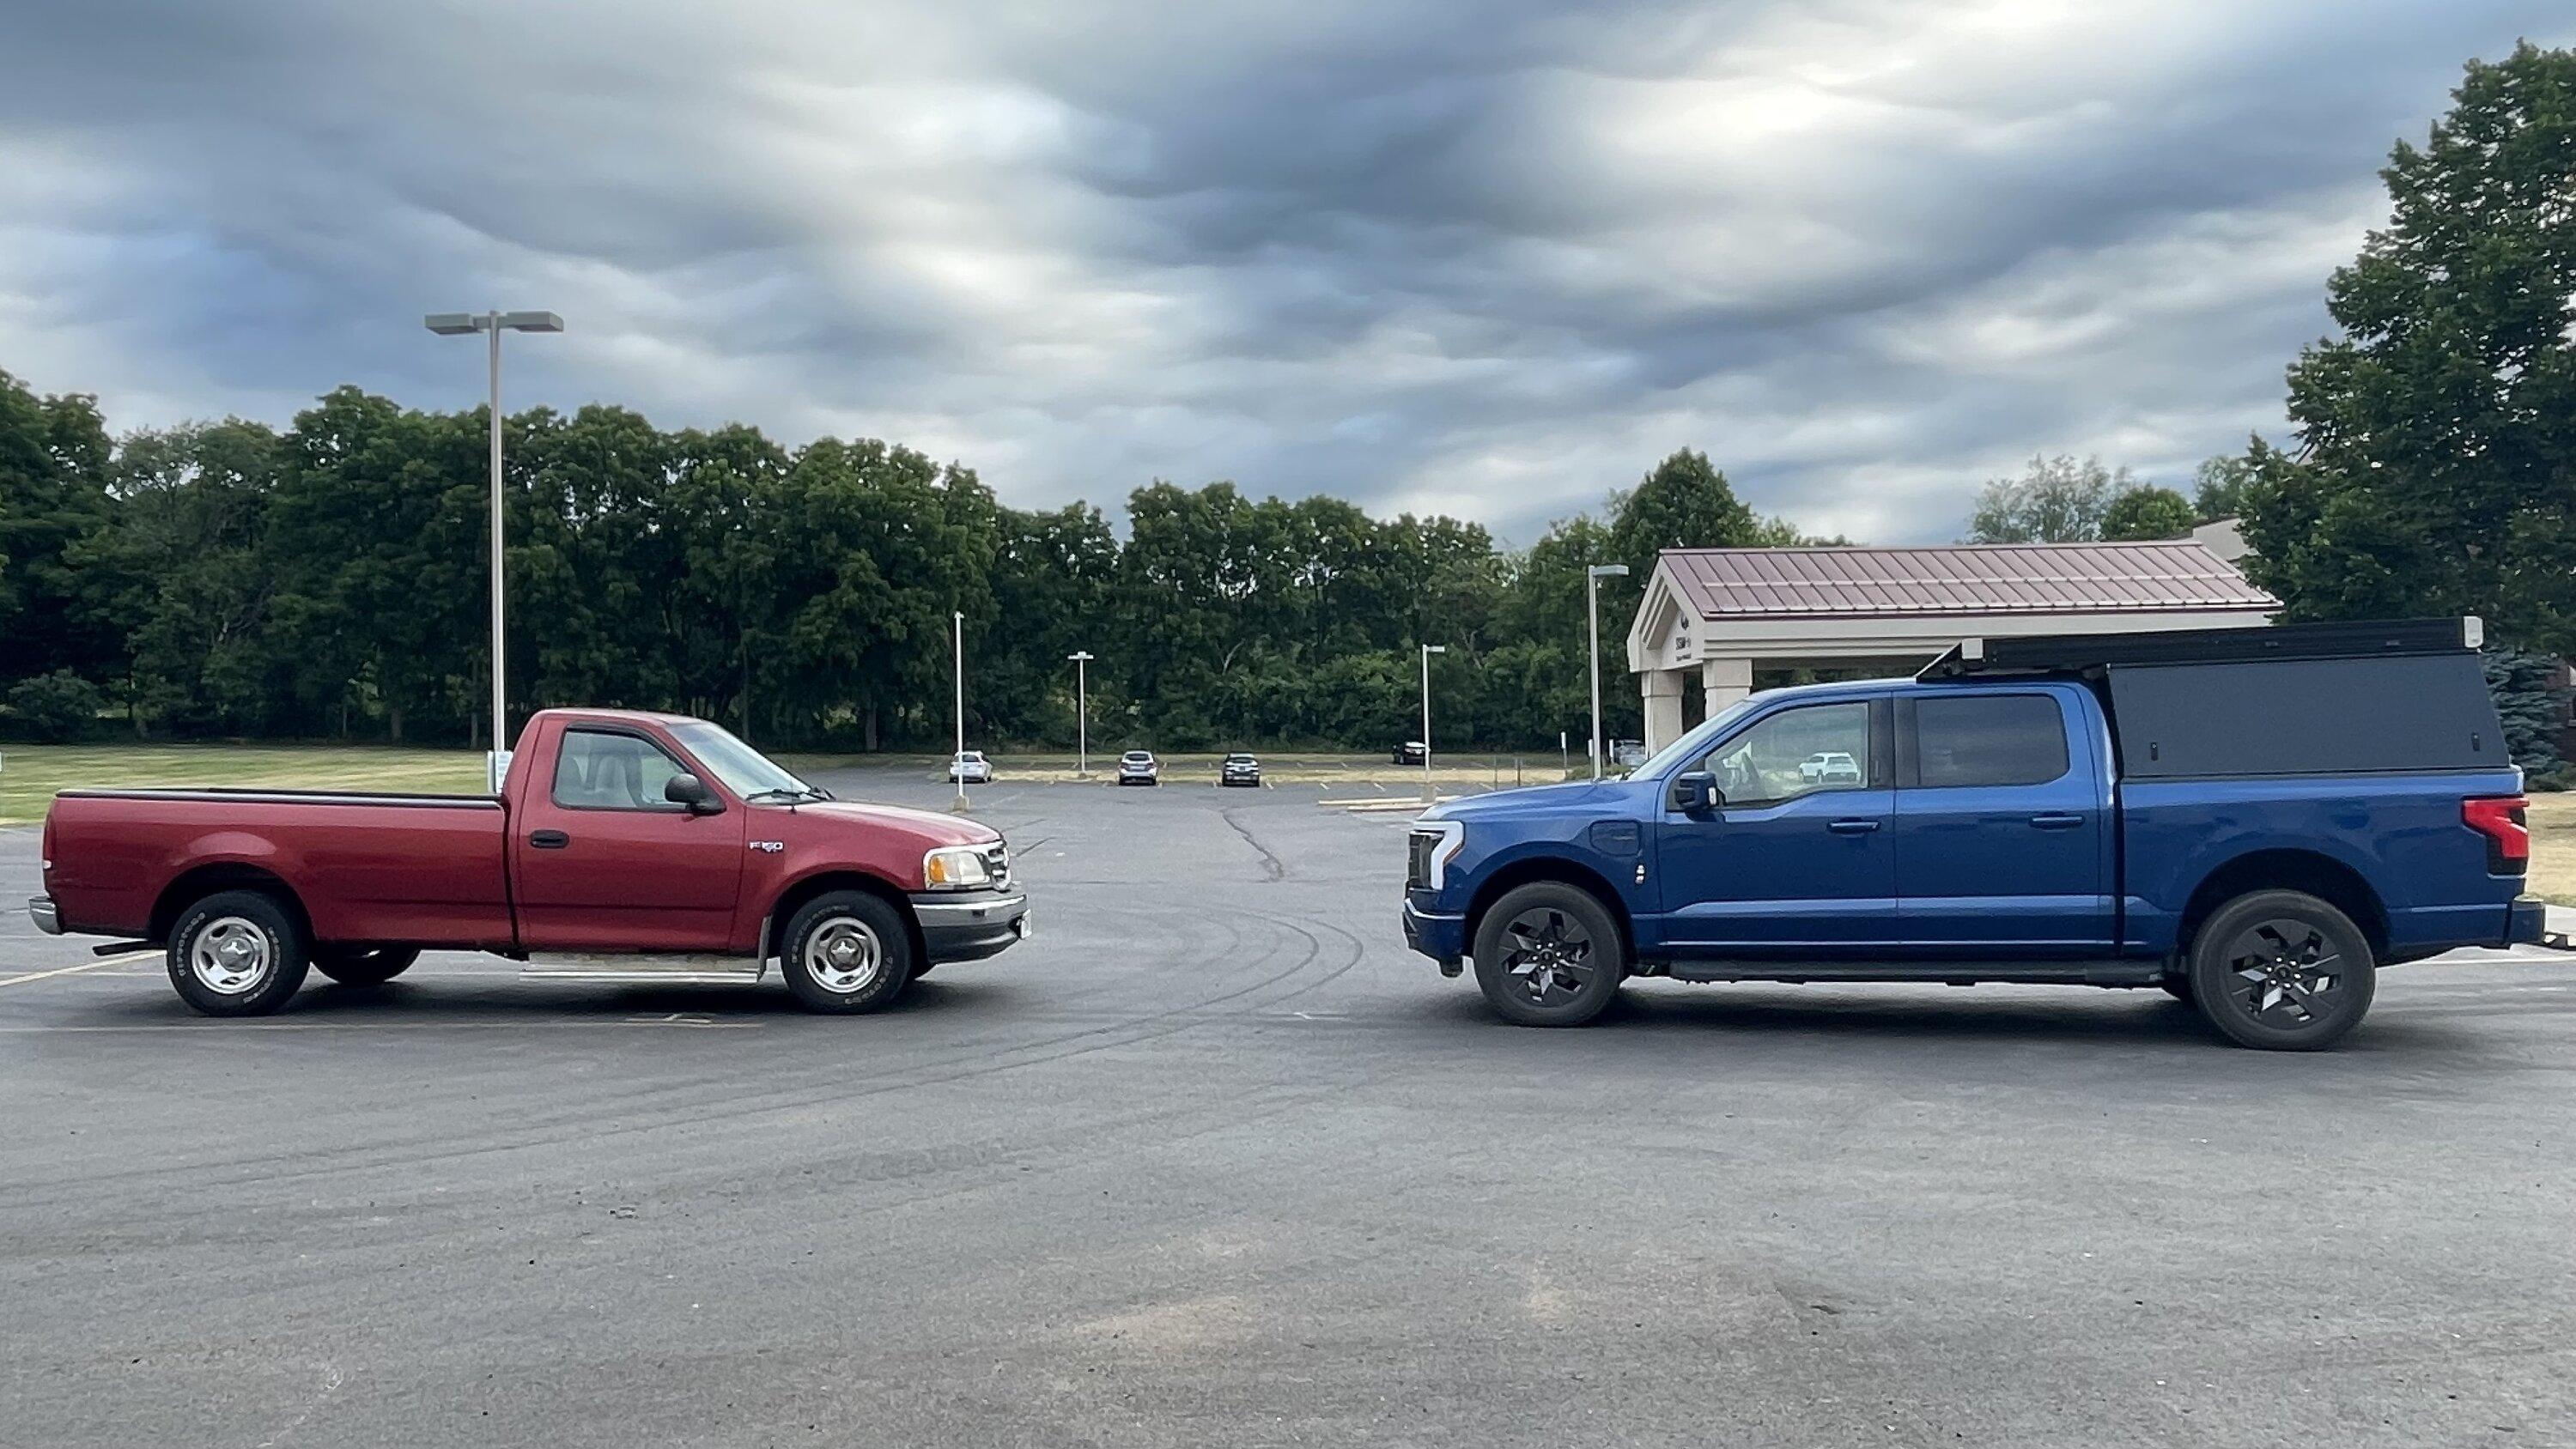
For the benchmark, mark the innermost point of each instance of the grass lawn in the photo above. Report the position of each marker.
(30, 774)
(2553, 847)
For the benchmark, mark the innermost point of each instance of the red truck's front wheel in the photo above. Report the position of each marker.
(237, 953)
(846, 951)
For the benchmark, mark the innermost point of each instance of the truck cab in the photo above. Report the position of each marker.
(1985, 824)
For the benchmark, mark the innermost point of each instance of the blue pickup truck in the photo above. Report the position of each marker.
(2254, 820)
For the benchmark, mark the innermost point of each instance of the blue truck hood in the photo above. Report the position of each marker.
(1602, 799)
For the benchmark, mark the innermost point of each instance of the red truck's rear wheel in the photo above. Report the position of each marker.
(846, 951)
(237, 953)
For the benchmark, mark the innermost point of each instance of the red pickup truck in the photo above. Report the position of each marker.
(623, 847)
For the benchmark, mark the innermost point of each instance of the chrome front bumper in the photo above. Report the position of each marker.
(41, 910)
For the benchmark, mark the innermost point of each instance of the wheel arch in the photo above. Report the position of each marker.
(198, 882)
(2306, 871)
(1531, 870)
(793, 898)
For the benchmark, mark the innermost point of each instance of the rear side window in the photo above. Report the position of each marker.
(1988, 739)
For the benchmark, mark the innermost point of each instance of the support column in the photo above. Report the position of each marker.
(1662, 689)
(1724, 681)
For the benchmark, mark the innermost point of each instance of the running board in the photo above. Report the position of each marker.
(1926, 973)
(646, 970)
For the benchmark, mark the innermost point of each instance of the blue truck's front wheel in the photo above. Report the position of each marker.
(2282, 970)
(1548, 954)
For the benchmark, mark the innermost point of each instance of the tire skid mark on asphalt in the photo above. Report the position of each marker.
(576, 1122)
(1271, 864)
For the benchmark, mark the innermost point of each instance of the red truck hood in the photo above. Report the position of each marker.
(932, 829)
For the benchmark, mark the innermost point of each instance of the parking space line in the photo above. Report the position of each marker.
(126, 959)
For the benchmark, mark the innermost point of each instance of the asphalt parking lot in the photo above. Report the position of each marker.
(1213, 1160)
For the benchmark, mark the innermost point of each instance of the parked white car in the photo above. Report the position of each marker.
(970, 768)
(1830, 767)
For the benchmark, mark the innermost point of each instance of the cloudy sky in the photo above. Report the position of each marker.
(1488, 257)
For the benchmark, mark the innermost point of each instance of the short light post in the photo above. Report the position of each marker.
(457, 324)
(1081, 713)
(1592, 578)
(1428, 794)
(957, 762)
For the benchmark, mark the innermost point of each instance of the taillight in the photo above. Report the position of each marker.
(2500, 818)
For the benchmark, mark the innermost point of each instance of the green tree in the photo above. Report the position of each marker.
(2147, 512)
(54, 455)
(2055, 500)
(2438, 467)
(2221, 487)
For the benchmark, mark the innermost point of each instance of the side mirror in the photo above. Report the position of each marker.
(691, 791)
(1695, 792)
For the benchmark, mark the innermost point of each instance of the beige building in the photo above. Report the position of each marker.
(1712, 615)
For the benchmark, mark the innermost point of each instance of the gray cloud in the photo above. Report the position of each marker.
(1489, 258)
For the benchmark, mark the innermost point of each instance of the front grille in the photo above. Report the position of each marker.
(1417, 858)
(997, 860)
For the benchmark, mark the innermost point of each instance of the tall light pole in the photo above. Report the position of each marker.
(1592, 578)
(457, 324)
(1081, 713)
(1428, 795)
(957, 620)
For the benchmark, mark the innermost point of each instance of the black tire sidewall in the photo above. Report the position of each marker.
(892, 936)
(288, 958)
(1487, 950)
(2208, 971)
(364, 965)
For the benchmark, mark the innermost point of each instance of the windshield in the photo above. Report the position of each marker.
(744, 770)
(1695, 740)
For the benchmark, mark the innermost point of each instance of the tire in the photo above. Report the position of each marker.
(1548, 954)
(364, 965)
(846, 952)
(2282, 971)
(237, 953)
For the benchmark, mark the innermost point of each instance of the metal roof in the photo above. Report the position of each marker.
(2001, 578)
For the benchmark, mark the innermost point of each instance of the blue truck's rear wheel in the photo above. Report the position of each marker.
(1548, 954)
(2282, 970)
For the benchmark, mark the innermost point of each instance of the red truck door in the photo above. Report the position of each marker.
(601, 862)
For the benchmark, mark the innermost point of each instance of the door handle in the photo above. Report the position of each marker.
(549, 839)
(1852, 827)
(2054, 821)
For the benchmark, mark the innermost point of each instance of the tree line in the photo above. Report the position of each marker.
(329, 581)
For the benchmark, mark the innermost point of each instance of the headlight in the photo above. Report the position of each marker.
(956, 868)
(1435, 843)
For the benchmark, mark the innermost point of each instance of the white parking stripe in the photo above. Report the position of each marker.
(128, 957)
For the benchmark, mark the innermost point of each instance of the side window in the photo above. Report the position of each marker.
(1795, 752)
(598, 770)
(1988, 739)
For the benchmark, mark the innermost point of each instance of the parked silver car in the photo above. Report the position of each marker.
(1139, 767)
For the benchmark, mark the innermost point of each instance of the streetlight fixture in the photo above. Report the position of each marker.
(957, 619)
(1081, 713)
(457, 324)
(1592, 578)
(1428, 796)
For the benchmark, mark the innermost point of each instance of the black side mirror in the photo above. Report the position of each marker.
(1695, 792)
(691, 791)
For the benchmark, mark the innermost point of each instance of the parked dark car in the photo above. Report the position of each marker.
(1239, 768)
(1411, 752)
(1138, 767)
(2253, 819)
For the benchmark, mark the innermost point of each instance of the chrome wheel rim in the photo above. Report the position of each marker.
(230, 954)
(2285, 973)
(843, 955)
(1548, 957)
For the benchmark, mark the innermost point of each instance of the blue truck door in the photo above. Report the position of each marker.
(2001, 810)
(1797, 858)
